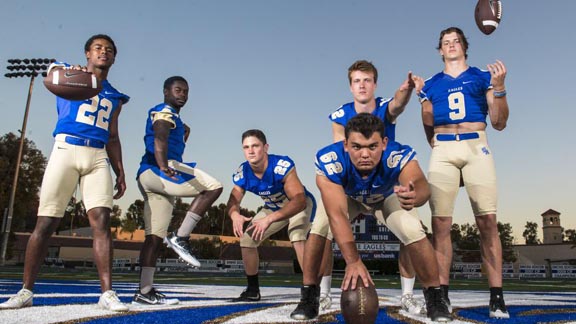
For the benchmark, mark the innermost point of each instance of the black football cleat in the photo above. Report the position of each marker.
(309, 305)
(498, 308)
(247, 296)
(436, 308)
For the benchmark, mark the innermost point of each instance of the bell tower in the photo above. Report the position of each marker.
(551, 227)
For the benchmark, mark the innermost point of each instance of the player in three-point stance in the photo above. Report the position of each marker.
(161, 177)
(86, 145)
(363, 79)
(286, 203)
(455, 103)
(367, 174)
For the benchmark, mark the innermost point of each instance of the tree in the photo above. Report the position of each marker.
(136, 213)
(74, 216)
(29, 180)
(455, 235)
(530, 233)
(466, 242)
(570, 236)
(129, 225)
(178, 214)
(507, 241)
(116, 216)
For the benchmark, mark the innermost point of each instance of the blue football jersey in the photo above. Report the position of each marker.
(271, 187)
(460, 99)
(343, 114)
(88, 118)
(334, 163)
(176, 143)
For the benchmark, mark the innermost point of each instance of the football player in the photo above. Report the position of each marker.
(286, 202)
(455, 103)
(367, 174)
(162, 176)
(86, 146)
(363, 79)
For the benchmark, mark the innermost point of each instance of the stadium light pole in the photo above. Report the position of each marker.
(29, 68)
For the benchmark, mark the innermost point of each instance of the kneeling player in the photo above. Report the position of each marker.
(286, 202)
(365, 174)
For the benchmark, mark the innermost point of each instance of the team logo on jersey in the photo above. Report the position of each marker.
(394, 159)
(485, 150)
(239, 174)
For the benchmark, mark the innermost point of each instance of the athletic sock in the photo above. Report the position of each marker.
(146, 279)
(325, 285)
(407, 285)
(496, 292)
(253, 284)
(188, 224)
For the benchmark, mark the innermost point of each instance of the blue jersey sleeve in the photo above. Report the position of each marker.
(395, 158)
(282, 166)
(331, 162)
(238, 177)
(343, 114)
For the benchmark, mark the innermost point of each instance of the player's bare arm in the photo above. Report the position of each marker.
(336, 206)
(413, 190)
(401, 98)
(337, 132)
(497, 102)
(428, 120)
(233, 210)
(161, 132)
(296, 203)
(114, 150)
(186, 133)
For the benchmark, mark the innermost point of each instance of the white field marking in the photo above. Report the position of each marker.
(286, 297)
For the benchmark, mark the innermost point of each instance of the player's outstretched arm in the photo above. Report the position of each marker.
(233, 210)
(496, 97)
(336, 206)
(114, 150)
(401, 98)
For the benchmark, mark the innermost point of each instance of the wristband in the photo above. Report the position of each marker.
(499, 94)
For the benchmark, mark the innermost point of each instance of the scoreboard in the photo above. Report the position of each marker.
(374, 240)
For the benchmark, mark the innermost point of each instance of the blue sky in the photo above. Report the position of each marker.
(281, 66)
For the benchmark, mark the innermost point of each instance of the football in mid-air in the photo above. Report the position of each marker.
(359, 306)
(488, 14)
(72, 84)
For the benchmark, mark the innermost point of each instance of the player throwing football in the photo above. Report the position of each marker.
(455, 103)
(86, 145)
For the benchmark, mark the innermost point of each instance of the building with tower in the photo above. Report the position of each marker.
(551, 227)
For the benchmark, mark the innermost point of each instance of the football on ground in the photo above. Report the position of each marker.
(359, 306)
(488, 14)
(72, 84)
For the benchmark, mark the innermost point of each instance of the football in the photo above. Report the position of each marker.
(72, 84)
(488, 15)
(360, 306)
